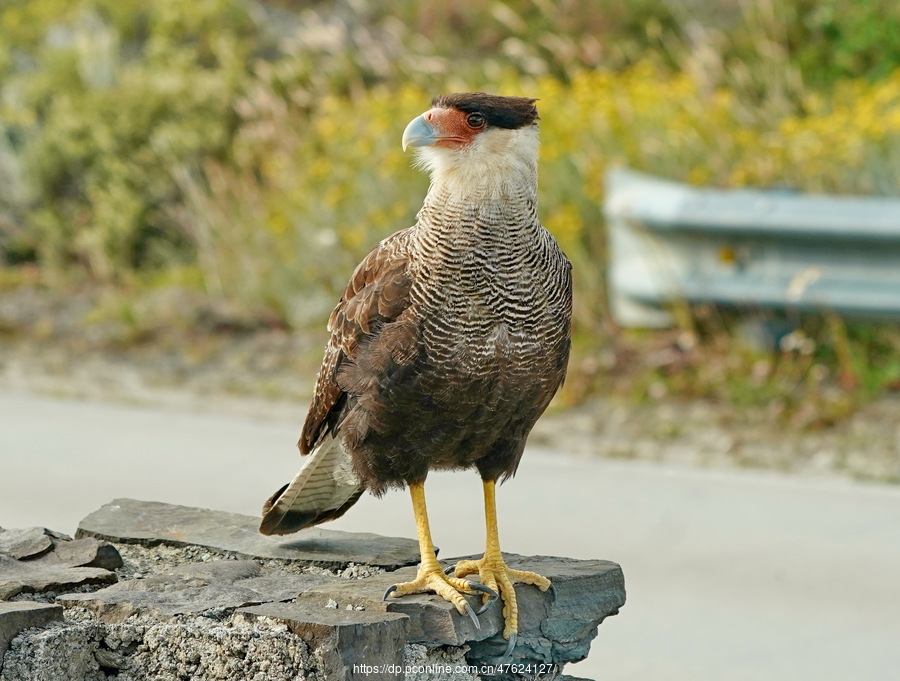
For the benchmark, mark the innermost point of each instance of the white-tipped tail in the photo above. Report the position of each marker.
(323, 490)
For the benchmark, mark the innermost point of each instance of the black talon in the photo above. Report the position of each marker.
(391, 589)
(510, 646)
(553, 593)
(493, 595)
(478, 586)
(448, 570)
(473, 616)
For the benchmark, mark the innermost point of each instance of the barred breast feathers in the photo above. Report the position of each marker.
(482, 258)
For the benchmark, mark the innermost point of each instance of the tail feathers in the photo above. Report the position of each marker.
(323, 490)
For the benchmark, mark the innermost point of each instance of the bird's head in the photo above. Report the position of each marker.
(477, 137)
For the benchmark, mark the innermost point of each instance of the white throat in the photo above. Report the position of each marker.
(499, 163)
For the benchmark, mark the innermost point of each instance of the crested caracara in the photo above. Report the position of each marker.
(447, 345)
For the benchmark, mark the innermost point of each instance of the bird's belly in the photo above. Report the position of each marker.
(487, 390)
(503, 351)
(471, 397)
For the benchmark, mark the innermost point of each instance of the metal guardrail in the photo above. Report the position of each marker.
(671, 243)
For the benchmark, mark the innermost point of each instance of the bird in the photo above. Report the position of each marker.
(448, 343)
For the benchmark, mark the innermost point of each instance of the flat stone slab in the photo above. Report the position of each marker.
(197, 588)
(36, 560)
(550, 630)
(148, 523)
(21, 615)
(24, 542)
(86, 552)
(234, 619)
(560, 630)
(16, 578)
(353, 644)
(433, 621)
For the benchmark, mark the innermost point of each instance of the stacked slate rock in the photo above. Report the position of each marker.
(156, 591)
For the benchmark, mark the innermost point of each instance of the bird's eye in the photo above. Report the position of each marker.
(475, 120)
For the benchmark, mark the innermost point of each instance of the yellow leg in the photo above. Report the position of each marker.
(493, 571)
(430, 576)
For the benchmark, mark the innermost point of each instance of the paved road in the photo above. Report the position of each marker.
(730, 576)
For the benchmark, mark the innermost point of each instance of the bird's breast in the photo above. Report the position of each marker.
(491, 297)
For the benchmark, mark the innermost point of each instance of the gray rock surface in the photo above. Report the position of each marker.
(425, 663)
(560, 630)
(22, 615)
(200, 649)
(35, 560)
(551, 631)
(17, 578)
(353, 644)
(188, 606)
(212, 587)
(25, 542)
(87, 552)
(151, 523)
(433, 620)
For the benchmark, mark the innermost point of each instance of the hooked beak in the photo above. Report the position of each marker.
(419, 133)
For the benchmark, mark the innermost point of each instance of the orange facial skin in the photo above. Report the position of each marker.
(453, 127)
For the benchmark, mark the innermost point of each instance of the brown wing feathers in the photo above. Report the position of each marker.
(377, 294)
(364, 337)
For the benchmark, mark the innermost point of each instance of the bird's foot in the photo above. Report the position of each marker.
(498, 576)
(451, 589)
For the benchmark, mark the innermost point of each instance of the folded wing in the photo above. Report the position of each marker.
(326, 486)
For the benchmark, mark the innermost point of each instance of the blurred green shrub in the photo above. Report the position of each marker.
(252, 149)
(308, 193)
(100, 101)
(115, 115)
(832, 39)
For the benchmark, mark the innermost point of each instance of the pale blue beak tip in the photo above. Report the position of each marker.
(418, 133)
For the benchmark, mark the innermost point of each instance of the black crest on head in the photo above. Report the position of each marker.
(502, 112)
